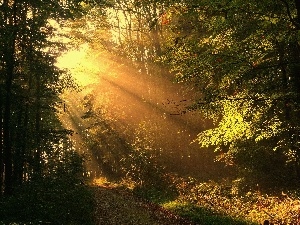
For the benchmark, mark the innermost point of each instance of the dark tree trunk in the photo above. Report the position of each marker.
(297, 4)
(20, 146)
(37, 154)
(295, 101)
(9, 57)
(6, 123)
(1, 146)
(295, 86)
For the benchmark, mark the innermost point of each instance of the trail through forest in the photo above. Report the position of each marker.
(127, 99)
(191, 104)
(117, 206)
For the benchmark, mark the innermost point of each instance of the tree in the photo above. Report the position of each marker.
(243, 57)
(30, 85)
(133, 29)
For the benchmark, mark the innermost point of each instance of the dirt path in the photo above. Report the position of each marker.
(119, 207)
(131, 106)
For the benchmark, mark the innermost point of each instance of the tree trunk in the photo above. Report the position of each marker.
(20, 146)
(6, 124)
(38, 117)
(9, 57)
(294, 51)
(1, 146)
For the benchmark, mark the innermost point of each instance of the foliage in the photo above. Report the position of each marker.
(30, 87)
(138, 161)
(202, 215)
(49, 201)
(242, 58)
(130, 29)
(229, 198)
(156, 195)
(137, 165)
(142, 164)
(59, 198)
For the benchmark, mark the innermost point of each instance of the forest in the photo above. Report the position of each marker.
(149, 112)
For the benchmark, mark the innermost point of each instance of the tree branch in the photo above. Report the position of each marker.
(293, 21)
(248, 98)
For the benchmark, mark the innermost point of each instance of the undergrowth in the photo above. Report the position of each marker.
(48, 202)
(226, 203)
(202, 215)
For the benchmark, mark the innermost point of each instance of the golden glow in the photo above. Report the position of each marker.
(126, 98)
(83, 70)
(119, 25)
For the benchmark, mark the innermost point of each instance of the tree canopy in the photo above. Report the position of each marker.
(243, 60)
(31, 136)
(240, 59)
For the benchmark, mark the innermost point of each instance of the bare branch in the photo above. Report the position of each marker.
(293, 21)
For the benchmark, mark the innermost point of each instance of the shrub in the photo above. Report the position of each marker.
(49, 201)
(227, 198)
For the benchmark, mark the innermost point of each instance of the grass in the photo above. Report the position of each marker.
(224, 203)
(201, 215)
(173, 201)
(209, 203)
(227, 203)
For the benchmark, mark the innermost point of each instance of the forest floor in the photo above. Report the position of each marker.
(119, 206)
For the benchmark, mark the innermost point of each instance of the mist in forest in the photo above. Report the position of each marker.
(135, 107)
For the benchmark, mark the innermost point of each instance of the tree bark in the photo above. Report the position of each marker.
(1, 146)
(9, 57)
(295, 86)
(20, 146)
(37, 155)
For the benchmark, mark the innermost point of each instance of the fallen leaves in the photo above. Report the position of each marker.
(115, 206)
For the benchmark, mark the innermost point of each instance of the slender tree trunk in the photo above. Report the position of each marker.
(1, 146)
(294, 52)
(20, 146)
(155, 33)
(2, 92)
(297, 4)
(6, 124)
(119, 28)
(22, 118)
(295, 101)
(9, 58)
(38, 117)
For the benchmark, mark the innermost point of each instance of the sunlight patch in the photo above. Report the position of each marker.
(83, 70)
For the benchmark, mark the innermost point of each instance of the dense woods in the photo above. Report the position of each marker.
(239, 60)
(30, 88)
(34, 147)
(243, 58)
